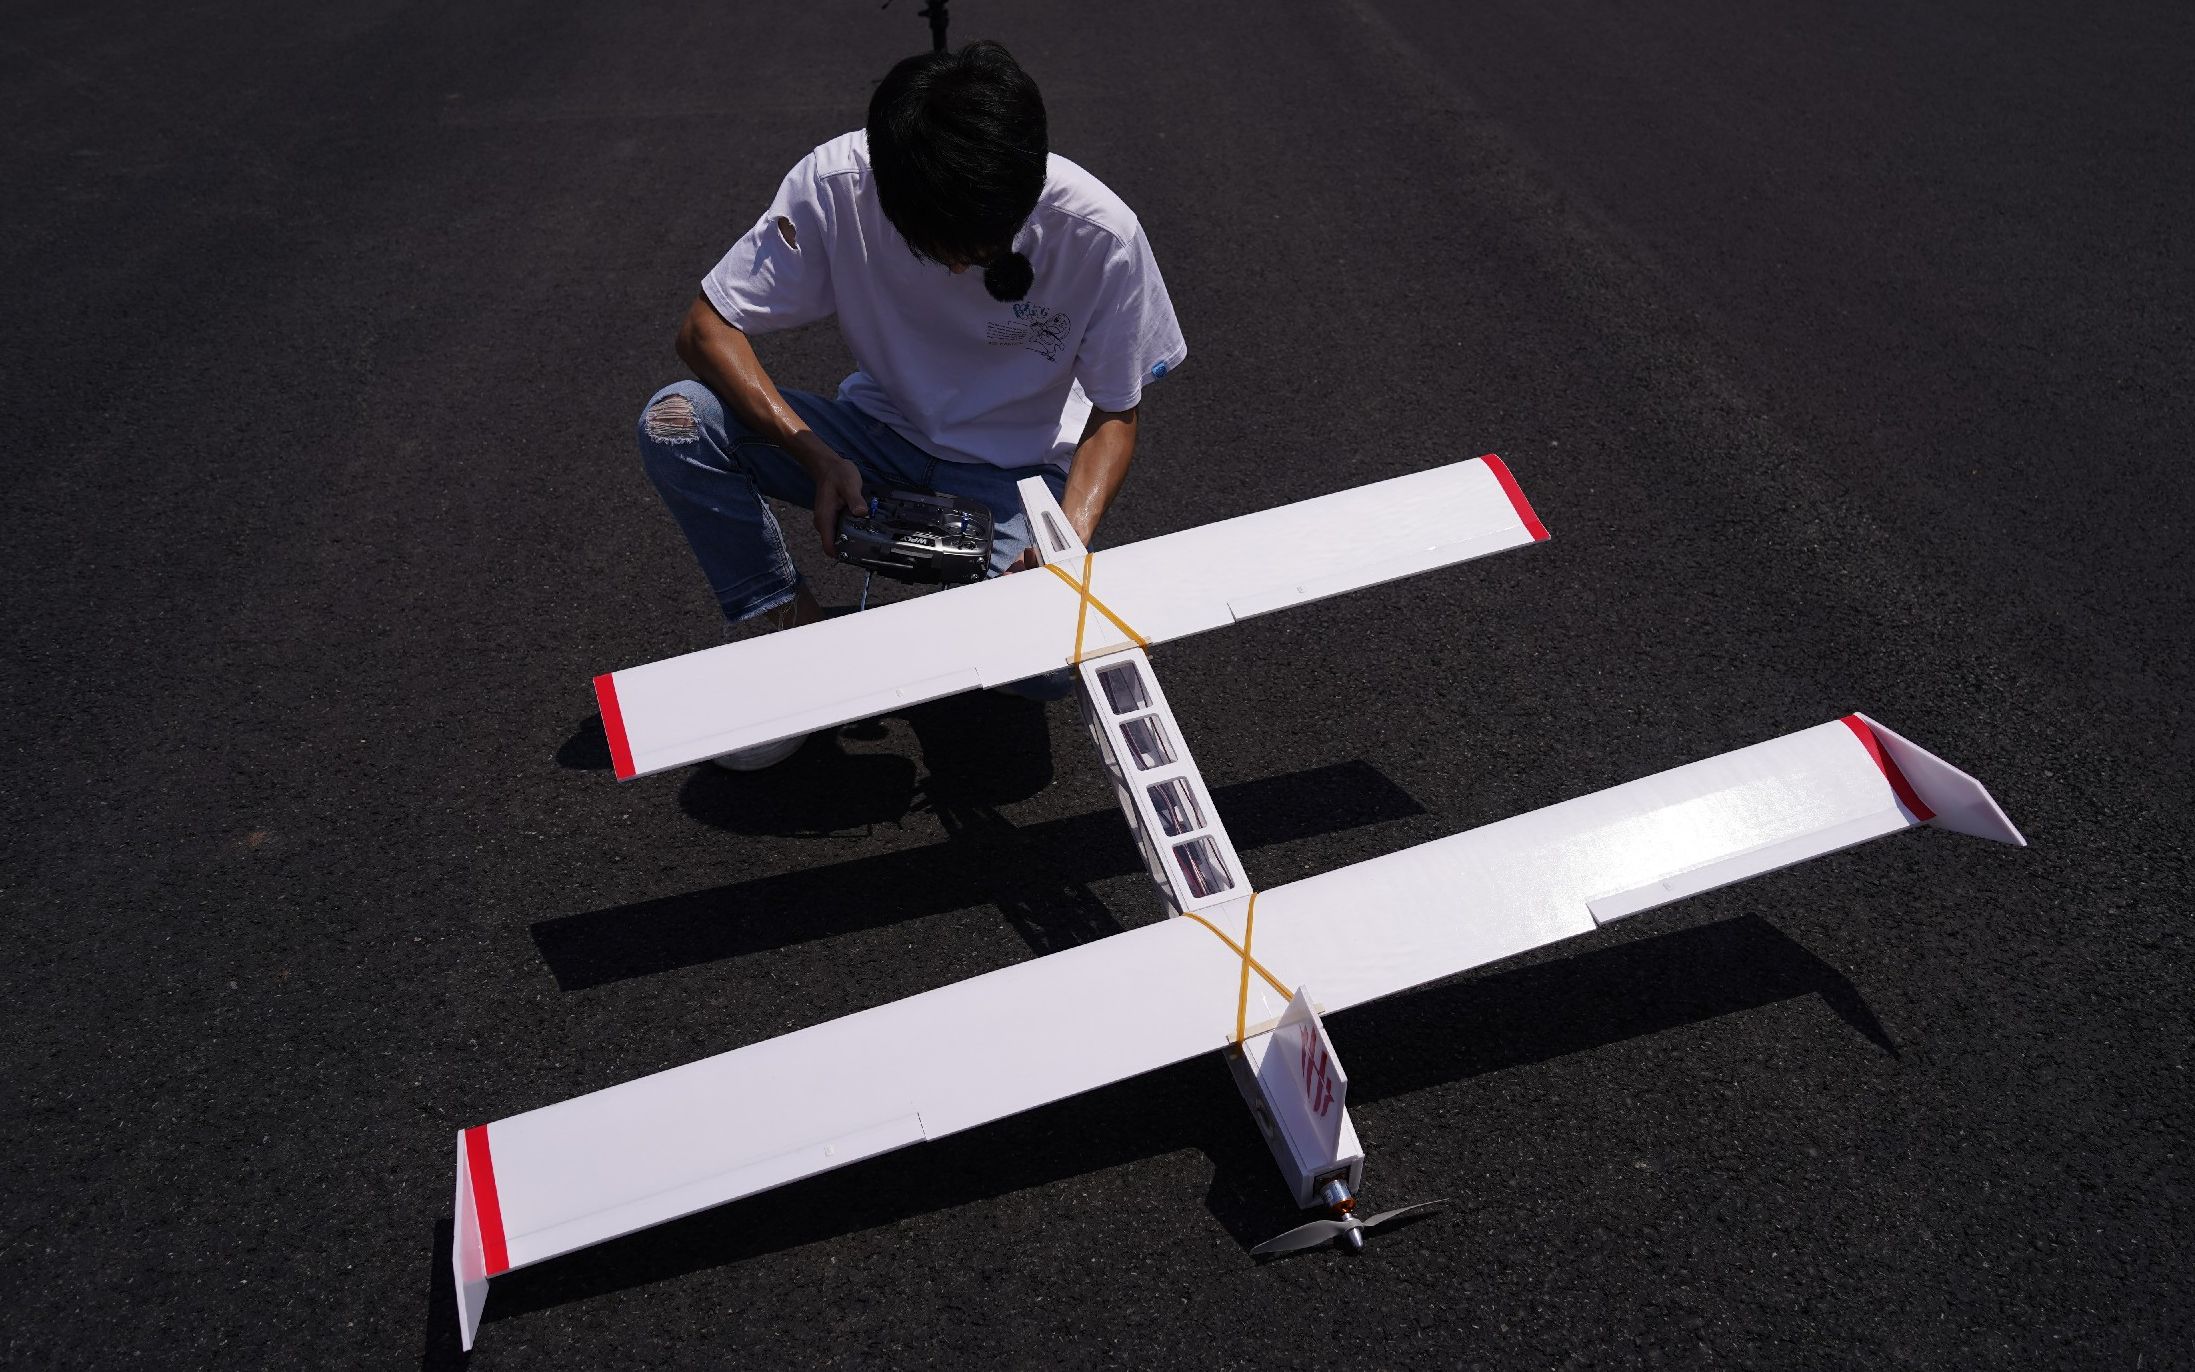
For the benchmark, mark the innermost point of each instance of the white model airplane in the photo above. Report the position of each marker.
(1243, 972)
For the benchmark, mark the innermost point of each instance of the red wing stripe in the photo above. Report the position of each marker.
(1515, 493)
(495, 1256)
(1899, 786)
(613, 726)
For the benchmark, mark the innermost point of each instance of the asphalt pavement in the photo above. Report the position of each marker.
(1845, 351)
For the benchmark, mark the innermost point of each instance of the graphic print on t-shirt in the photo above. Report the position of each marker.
(1040, 329)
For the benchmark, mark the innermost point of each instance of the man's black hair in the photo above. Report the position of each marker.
(957, 145)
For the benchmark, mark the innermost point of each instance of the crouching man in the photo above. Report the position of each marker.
(1002, 307)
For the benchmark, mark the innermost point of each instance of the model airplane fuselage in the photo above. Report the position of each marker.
(1244, 972)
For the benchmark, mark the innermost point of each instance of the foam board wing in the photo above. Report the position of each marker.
(684, 709)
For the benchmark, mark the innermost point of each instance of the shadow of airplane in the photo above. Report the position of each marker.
(1038, 874)
(441, 1345)
(978, 748)
(1482, 1023)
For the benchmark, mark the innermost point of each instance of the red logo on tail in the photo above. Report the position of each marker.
(1318, 1081)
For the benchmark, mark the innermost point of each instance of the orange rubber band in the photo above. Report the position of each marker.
(1082, 611)
(1242, 997)
(1249, 963)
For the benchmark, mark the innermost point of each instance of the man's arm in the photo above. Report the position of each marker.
(726, 363)
(1101, 464)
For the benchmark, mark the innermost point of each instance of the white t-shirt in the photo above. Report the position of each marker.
(960, 375)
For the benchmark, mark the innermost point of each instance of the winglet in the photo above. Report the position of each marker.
(1933, 790)
(613, 725)
(1510, 488)
(470, 1260)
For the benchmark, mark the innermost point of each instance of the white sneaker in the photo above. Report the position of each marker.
(761, 755)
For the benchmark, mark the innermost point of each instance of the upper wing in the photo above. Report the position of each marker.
(559, 1178)
(685, 709)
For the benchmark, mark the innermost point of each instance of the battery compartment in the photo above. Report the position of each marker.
(1203, 870)
(1174, 815)
(1125, 692)
(1174, 801)
(1149, 745)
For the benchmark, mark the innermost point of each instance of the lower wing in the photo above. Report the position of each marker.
(559, 1178)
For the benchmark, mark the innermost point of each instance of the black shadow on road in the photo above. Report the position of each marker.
(441, 1344)
(1038, 874)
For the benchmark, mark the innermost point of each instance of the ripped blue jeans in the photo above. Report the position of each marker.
(713, 472)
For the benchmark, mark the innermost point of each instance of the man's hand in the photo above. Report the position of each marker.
(838, 490)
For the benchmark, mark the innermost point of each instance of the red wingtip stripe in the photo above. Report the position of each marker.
(1899, 786)
(1515, 493)
(613, 726)
(495, 1256)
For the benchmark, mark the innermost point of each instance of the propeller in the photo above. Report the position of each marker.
(1322, 1231)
